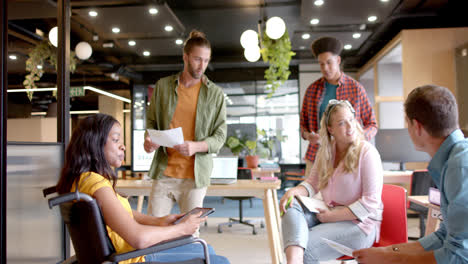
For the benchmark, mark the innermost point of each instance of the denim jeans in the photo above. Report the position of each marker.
(185, 252)
(302, 228)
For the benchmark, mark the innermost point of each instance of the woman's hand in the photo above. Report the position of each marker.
(284, 200)
(326, 216)
(169, 219)
(191, 223)
(338, 214)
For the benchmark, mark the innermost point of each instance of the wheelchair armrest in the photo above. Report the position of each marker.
(68, 198)
(161, 246)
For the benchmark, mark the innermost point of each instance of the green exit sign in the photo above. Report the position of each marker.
(76, 91)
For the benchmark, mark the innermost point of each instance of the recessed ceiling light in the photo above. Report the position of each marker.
(131, 43)
(39, 67)
(179, 41)
(314, 21)
(12, 57)
(347, 46)
(168, 28)
(318, 2)
(356, 35)
(383, 0)
(306, 36)
(153, 11)
(372, 18)
(115, 29)
(92, 13)
(146, 53)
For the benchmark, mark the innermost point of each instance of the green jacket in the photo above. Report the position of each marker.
(210, 124)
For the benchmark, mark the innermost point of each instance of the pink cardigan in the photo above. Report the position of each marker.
(360, 190)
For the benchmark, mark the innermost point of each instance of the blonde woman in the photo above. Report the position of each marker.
(348, 174)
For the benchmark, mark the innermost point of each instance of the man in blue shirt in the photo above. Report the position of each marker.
(432, 118)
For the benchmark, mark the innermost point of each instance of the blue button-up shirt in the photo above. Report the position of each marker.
(449, 169)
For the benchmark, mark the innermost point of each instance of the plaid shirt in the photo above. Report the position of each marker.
(348, 89)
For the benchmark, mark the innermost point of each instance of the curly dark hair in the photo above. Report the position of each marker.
(85, 152)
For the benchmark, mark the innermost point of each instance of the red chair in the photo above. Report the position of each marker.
(394, 227)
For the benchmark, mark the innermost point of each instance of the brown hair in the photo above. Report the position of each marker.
(435, 107)
(196, 38)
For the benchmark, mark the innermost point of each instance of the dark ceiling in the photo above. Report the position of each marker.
(223, 21)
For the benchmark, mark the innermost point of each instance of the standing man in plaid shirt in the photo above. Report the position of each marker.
(333, 85)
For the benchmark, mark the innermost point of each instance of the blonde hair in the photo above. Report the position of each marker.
(324, 156)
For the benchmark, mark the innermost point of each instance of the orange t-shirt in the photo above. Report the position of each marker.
(178, 165)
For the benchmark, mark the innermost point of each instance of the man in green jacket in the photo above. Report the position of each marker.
(191, 101)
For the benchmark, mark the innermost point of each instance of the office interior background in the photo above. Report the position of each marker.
(391, 47)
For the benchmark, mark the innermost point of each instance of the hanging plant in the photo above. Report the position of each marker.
(277, 52)
(39, 55)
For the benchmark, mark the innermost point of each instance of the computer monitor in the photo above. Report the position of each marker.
(395, 145)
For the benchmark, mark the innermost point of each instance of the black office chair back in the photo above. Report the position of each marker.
(86, 226)
(420, 183)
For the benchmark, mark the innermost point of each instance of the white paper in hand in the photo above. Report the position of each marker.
(339, 247)
(167, 138)
(312, 204)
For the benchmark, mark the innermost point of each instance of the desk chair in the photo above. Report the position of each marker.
(394, 227)
(420, 183)
(242, 173)
(88, 232)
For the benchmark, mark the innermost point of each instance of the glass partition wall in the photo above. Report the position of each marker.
(248, 103)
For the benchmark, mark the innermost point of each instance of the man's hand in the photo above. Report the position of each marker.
(380, 255)
(149, 146)
(312, 137)
(188, 148)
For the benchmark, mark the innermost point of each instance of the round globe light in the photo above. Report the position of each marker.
(275, 27)
(249, 38)
(252, 53)
(53, 36)
(83, 50)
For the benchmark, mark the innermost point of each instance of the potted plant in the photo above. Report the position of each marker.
(237, 145)
(277, 52)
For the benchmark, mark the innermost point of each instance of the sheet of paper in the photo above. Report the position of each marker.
(339, 247)
(312, 204)
(167, 138)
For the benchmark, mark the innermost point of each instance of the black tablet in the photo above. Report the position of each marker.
(196, 210)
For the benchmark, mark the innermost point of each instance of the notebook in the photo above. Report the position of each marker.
(224, 170)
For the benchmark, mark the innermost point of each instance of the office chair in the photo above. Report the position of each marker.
(88, 232)
(420, 183)
(394, 227)
(246, 174)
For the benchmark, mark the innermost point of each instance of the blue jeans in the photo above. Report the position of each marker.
(185, 252)
(302, 228)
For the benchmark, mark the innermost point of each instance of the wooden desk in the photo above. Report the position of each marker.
(263, 190)
(259, 172)
(432, 214)
(400, 177)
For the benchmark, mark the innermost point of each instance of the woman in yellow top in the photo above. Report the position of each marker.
(95, 147)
